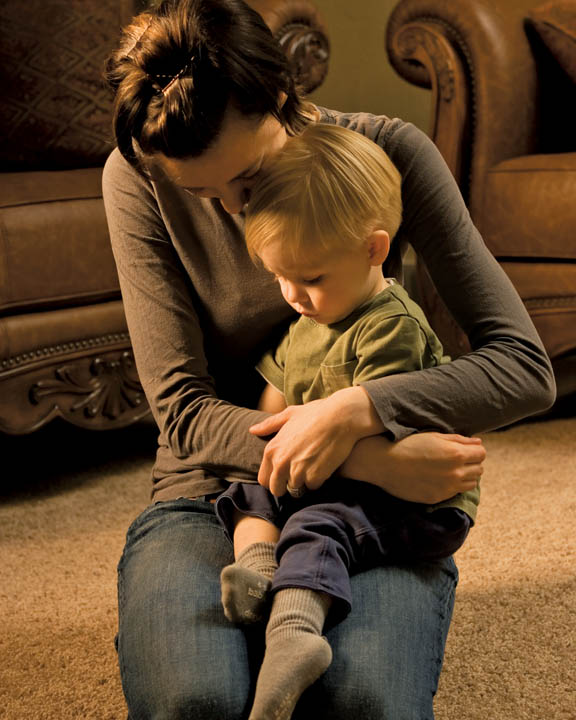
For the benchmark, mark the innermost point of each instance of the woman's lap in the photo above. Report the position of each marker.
(388, 652)
(180, 658)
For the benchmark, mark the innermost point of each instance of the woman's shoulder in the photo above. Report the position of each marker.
(115, 165)
(391, 133)
(119, 174)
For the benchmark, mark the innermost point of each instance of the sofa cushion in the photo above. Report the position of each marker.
(555, 22)
(39, 338)
(54, 244)
(527, 211)
(549, 293)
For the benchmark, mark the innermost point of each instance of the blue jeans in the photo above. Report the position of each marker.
(181, 658)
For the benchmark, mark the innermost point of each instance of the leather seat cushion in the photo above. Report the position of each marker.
(549, 293)
(38, 338)
(529, 210)
(54, 244)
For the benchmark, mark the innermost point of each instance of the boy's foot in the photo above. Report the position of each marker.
(290, 666)
(245, 594)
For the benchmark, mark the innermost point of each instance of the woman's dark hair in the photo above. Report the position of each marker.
(181, 65)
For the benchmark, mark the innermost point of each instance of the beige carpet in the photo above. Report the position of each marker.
(69, 496)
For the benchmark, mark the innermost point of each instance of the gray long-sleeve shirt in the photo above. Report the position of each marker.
(200, 314)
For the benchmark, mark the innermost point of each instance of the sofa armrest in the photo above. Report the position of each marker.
(300, 30)
(477, 57)
(423, 54)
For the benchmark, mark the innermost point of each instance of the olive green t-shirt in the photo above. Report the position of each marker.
(387, 334)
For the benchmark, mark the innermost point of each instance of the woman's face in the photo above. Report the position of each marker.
(229, 168)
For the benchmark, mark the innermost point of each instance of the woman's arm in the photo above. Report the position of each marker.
(200, 429)
(311, 441)
(341, 434)
(508, 375)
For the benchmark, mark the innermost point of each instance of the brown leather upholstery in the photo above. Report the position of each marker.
(64, 345)
(504, 113)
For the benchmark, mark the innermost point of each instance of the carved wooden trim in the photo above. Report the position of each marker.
(98, 392)
(17, 362)
(110, 389)
(426, 45)
(308, 51)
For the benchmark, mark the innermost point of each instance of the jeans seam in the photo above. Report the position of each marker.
(445, 602)
(121, 603)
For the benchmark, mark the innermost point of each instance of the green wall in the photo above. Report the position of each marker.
(360, 76)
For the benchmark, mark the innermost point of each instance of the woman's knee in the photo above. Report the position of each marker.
(355, 687)
(388, 652)
(200, 701)
(369, 700)
(178, 655)
(202, 670)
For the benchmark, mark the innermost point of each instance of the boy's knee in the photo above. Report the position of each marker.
(316, 520)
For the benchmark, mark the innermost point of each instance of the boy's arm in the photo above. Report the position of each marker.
(272, 400)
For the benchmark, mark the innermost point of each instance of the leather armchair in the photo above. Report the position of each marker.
(503, 117)
(64, 345)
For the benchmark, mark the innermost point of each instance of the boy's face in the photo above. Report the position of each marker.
(326, 285)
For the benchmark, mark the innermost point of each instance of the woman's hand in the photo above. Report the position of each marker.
(313, 440)
(426, 467)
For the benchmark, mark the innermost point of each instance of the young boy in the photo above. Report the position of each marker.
(321, 220)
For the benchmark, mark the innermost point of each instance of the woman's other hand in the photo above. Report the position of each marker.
(426, 467)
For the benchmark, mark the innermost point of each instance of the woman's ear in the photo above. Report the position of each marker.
(378, 245)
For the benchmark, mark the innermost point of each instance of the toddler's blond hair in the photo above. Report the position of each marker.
(329, 187)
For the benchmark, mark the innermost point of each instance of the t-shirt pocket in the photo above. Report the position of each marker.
(337, 377)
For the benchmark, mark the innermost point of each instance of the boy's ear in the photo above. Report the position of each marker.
(378, 244)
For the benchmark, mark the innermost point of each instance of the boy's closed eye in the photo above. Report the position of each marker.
(306, 281)
(249, 175)
(314, 281)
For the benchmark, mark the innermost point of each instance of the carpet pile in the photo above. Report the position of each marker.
(69, 496)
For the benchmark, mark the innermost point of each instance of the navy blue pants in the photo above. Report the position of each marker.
(344, 527)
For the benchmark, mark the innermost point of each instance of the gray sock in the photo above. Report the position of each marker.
(296, 652)
(246, 583)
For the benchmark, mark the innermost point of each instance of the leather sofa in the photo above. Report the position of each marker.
(64, 346)
(504, 118)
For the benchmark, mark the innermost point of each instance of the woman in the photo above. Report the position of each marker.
(204, 99)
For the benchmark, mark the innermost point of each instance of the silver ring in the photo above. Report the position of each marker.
(296, 492)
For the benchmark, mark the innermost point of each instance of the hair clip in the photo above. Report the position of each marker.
(173, 78)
